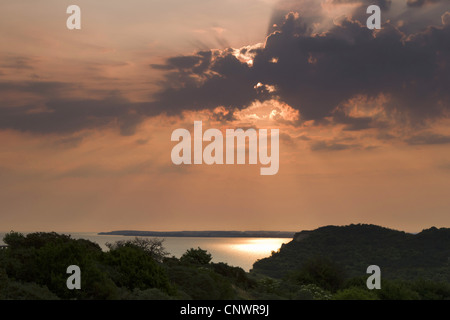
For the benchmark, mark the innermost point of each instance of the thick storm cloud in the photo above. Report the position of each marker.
(317, 73)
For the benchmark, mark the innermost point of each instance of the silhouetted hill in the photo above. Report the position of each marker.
(355, 247)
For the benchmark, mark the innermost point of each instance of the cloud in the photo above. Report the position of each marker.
(314, 73)
(331, 146)
(95, 170)
(42, 88)
(18, 62)
(352, 123)
(180, 63)
(428, 138)
(70, 141)
(69, 115)
(321, 15)
(420, 3)
(317, 73)
(226, 81)
(446, 18)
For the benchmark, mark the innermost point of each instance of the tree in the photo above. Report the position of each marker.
(133, 268)
(43, 258)
(196, 256)
(396, 290)
(322, 272)
(355, 293)
(200, 283)
(152, 246)
(14, 239)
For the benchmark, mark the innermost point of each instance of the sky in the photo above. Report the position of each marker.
(86, 116)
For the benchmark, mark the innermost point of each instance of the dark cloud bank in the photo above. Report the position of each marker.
(317, 73)
(313, 73)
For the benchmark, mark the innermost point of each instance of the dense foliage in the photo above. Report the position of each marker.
(355, 247)
(328, 263)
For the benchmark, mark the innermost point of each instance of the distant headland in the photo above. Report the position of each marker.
(203, 234)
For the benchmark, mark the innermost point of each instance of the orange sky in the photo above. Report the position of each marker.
(100, 177)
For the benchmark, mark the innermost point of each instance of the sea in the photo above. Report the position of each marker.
(238, 252)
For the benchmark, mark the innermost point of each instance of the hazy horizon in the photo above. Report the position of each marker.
(213, 230)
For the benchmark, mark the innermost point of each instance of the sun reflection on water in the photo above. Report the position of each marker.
(262, 247)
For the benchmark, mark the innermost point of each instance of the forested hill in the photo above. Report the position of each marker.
(355, 247)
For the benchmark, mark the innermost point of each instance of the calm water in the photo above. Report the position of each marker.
(240, 252)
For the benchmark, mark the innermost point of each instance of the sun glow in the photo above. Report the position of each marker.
(258, 246)
(265, 113)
